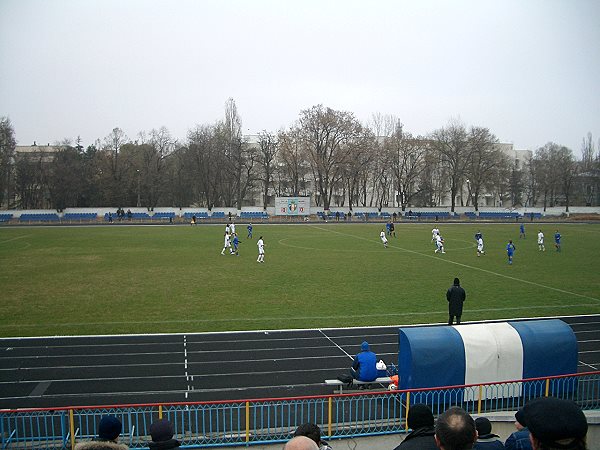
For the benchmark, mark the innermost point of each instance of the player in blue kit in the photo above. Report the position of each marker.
(522, 231)
(249, 228)
(510, 251)
(235, 242)
(557, 240)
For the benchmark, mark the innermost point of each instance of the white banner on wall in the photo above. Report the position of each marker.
(292, 206)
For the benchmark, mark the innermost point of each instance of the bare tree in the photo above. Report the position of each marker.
(267, 154)
(292, 162)
(7, 154)
(326, 135)
(483, 159)
(451, 144)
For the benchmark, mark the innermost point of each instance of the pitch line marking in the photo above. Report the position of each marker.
(271, 319)
(15, 238)
(469, 267)
(332, 341)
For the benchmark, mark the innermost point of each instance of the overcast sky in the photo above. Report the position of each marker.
(529, 70)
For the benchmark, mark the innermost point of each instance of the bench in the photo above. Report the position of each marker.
(341, 384)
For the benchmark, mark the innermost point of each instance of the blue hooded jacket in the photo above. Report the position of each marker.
(365, 363)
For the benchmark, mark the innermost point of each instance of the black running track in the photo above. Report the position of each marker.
(108, 370)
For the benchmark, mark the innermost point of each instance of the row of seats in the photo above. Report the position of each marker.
(45, 217)
(254, 215)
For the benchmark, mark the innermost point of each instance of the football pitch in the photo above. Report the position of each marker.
(153, 279)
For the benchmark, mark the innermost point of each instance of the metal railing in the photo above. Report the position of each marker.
(260, 421)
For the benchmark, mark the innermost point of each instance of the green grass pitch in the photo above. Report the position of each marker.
(149, 279)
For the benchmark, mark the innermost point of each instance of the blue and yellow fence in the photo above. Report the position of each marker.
(260, 421)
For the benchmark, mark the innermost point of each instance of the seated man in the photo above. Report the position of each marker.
(420, 420)
(364, 365)
(486, 440)
(109, 430)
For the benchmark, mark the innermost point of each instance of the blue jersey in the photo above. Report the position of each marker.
(236, 241)
(557, 238)
(510, 248)
(522, 228)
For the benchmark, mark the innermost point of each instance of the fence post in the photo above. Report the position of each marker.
(247, 421)
(547, 386)
(479, 399)
(160, 411)
(330, 418)
(72, 428)
(407, 408)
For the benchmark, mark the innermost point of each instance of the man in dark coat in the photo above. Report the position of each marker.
(456, 295)
(420, 421)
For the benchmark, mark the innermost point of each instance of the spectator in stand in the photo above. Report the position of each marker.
(422, 437)
(301, 443)
(555, 424)
(486, 440)
(364, 365)
(162, 436)
(312, 431)
(519, 440)
(455, 430)
(109, 430)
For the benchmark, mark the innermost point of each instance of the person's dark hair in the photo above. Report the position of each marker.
(455, 429)
(456, 282)
(310, 430)
(419, 416)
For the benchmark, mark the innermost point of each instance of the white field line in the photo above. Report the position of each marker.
(562, 291)
(271, 319)
(15, 238)
(334, 343)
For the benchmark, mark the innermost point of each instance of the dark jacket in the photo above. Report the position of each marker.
(488, 442)
(455, 296)
(419, 439)
(164, 445)
(519, 440)
(100, 445)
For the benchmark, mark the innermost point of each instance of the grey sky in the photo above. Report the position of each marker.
(526, 69)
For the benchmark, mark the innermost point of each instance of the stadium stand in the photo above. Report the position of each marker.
(386, 215)
(79, 217)
(37, 217)
(498, 215)
(218, 215)
(254, 215)
(431, 215)
(471, 215)
(199, 215)
(5, 217)
(164, 215)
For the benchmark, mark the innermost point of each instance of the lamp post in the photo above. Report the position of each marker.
(138, 196)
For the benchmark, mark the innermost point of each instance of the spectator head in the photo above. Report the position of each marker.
(161, 430)
(419, 416)
(555, 424)
(364, 346)
(456, 282)
(309, 430)
(301, 443)
(483, 426)
(455, 430)
(520, 419)
(109, 428)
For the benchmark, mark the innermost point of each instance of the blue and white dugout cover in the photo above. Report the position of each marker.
(482, 353)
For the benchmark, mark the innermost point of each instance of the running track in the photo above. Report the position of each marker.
(63, 371)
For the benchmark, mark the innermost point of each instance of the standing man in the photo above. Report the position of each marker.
(557, 240)
(522, 231)
(510, 251)
(236, 242)
(439, 244)
(392, 229)
(383, 238)
(456, 296)
(434, 234)
(249, 228)
(261, 250)
(480, 246)
(226, 245)
(519, 440)
(541, 246)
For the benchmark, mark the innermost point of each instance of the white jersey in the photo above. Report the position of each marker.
(232, 228)
(227, 229)
(479, 244)
(382, 236)
(434, 233)
(540, 238)
(227, 242)
(261, 246)
(439, 241)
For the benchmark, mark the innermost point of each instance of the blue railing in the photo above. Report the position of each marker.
(262, 421)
